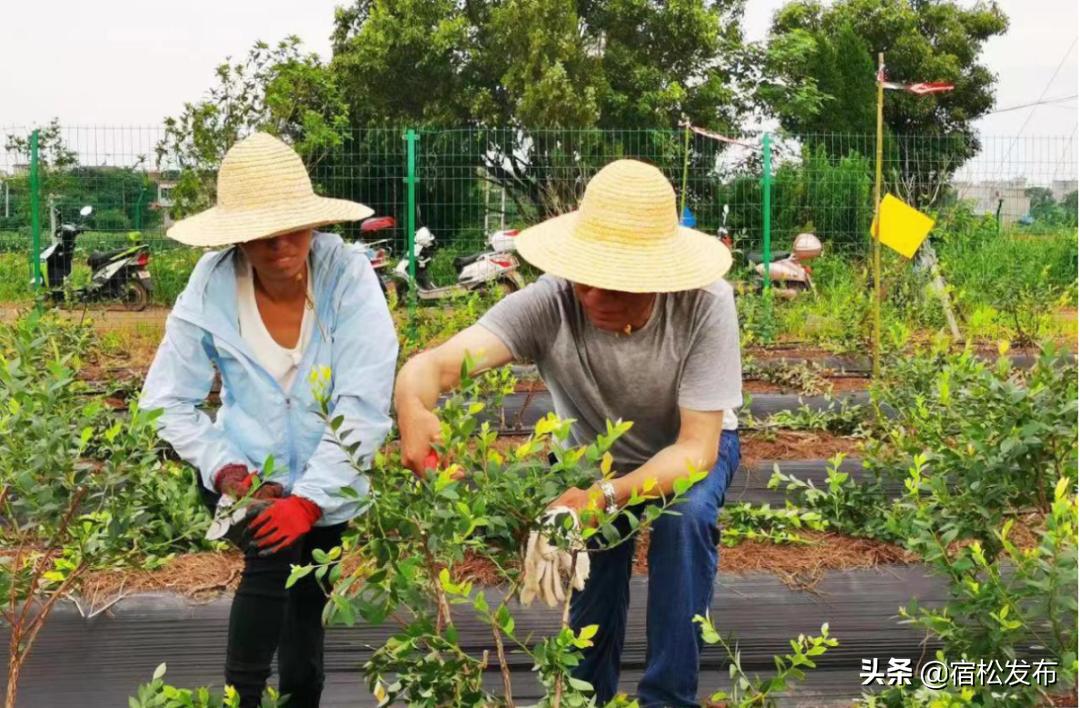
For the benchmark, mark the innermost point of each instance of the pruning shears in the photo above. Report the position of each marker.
(225, 515)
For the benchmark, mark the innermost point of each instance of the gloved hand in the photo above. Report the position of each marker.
(281, 524)
(545, 562)
(236, 481)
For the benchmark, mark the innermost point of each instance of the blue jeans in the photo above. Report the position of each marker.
(682, 571)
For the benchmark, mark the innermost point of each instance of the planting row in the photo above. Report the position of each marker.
(967, 445)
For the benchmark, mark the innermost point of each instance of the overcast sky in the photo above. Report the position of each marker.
(131, 62)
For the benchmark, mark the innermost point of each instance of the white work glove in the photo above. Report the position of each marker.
(545, 563)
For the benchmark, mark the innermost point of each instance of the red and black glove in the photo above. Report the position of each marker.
(236, 481)
(281, 524)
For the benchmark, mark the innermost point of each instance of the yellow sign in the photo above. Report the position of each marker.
(903, 228)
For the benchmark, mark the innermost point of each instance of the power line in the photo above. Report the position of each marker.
(1041, 97)
(1046, 102)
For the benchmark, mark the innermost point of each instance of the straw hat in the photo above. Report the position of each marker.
(263, 190)
(626, 236)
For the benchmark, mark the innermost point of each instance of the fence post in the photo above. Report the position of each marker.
(35, 213)
(410, 216)
(685, 171)
(766, 230)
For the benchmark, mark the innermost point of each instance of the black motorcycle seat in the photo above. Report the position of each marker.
(756, 257)
(462, 261)
(100, 258)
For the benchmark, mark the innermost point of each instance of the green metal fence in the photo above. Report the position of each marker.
(469, 182)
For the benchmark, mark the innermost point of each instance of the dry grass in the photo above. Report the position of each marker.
(794, 445)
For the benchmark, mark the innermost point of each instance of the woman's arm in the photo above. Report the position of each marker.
(179, 380)
(363, 357)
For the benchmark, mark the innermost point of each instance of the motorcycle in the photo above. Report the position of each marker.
(497, 266)
(377, 252)
(789, 271)
(117, 275)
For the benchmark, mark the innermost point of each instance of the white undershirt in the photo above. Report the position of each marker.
(281, 362)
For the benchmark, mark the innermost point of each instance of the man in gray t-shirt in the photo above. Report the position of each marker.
(633, 321)
(685, 356)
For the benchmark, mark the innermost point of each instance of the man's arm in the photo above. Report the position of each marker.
(427, 375)
(697, 445)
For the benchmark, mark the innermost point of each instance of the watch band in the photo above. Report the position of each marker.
(609, 497)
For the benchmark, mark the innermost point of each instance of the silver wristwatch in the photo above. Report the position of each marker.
(609, 497)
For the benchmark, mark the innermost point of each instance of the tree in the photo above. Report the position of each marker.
(278, 89)
(52, 150)
(541, 84)
(819, 78)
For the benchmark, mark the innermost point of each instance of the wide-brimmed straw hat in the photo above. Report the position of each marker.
(626, 236)
(263, 190)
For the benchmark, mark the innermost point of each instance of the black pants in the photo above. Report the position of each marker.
(266, 617)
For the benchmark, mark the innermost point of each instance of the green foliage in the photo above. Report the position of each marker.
(52, 150)
(998, 602)
(277, 89)
(828, 82)
(747, 691)
(807, 378)
(827, 190)
(111, 220)
(853, 508)
(158, 694)
(170, 270)
(579, 87)
(975, 444)
(922, 42)
(745, 522)
(430, 326)
(79, 487)
(838, 416)
(540, 63)
(995, 439)
(479, 506)
(1007, 285)
(1048, 212)
(121, 196)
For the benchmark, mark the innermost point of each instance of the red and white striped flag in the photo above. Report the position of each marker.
(717, 136)
(920, 89)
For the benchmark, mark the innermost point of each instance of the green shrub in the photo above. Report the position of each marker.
(170, 270)
(111, 220)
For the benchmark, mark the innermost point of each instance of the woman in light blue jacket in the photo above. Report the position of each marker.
(280, 304)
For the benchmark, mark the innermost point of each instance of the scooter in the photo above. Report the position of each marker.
(497, 266)
(378, 252)
(789, 271)
(118, 275)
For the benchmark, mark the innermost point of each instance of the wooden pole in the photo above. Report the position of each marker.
(876, 241)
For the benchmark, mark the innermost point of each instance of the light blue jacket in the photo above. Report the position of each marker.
(353, 336)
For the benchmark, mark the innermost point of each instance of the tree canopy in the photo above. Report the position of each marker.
(820, 61)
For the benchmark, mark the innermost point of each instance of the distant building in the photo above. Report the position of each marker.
(985, 197)
(1062, 188)
(166, 183)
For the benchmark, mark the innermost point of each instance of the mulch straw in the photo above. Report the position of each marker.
(204, 576)
(198, 576)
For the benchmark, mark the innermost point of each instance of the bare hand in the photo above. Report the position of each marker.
(580, 500)
(420, 430)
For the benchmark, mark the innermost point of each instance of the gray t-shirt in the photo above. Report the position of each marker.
(686, 355)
